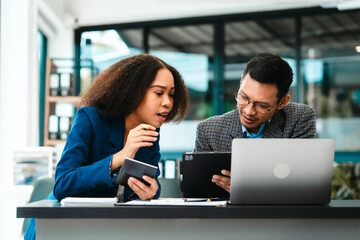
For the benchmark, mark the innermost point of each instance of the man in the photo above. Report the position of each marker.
(263, 111)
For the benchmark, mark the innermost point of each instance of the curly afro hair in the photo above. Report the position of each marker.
(118, 91)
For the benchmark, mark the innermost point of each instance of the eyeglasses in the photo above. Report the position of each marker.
(259, 108)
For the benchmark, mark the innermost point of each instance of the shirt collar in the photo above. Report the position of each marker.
(259, 134)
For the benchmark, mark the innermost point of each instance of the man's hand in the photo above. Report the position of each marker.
(144, 192)
(223, 181)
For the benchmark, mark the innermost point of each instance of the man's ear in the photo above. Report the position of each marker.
(283, 101)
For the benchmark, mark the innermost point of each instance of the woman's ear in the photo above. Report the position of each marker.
(283, 102)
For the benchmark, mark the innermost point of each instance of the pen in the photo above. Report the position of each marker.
(146, 127)
(200, 199)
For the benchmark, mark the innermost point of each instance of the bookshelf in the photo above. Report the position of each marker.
(65, 81)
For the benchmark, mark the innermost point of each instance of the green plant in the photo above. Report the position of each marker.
(346, 181)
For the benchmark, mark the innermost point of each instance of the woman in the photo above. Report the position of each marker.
(120, 117)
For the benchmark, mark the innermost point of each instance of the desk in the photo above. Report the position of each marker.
(338, 220)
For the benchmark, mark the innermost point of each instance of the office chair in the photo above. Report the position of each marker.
(170, 188)
(42, 188)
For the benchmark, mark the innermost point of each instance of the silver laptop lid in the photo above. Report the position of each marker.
(281, 171)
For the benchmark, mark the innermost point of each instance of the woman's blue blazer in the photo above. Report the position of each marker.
(84, 167)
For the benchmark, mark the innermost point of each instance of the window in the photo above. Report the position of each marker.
(319, 45)
(331, 73)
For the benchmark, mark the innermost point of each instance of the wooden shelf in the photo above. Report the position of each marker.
(60, 66)
(51, 101)
(50, 142)
(71, 99)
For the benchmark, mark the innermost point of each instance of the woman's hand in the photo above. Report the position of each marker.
(143, 135)
(222, 181)
(144, 192)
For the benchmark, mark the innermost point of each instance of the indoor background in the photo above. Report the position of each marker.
(52, 50)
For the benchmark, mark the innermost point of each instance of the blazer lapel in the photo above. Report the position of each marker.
(274, 129)
(117, 141)
(117, 133)
(235, 130)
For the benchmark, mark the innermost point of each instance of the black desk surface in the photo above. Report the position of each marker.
(53, 209)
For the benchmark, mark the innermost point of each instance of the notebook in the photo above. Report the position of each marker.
(281, 171)
(196, 171)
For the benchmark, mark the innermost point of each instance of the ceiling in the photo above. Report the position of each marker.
(100, 12)
(324, 35)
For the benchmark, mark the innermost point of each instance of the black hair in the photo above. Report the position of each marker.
(271, 69)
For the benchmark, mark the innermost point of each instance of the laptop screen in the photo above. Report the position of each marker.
(281, 171)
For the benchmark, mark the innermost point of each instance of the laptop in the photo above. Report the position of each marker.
(196, 171)
(281, 171)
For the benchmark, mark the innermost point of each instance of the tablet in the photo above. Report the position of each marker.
(196, 171)
(136, 169)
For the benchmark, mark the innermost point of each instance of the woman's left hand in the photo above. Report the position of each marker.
(144, 192)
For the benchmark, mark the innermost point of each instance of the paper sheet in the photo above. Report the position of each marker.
(177, 202)
(84, 201)
(78, 201)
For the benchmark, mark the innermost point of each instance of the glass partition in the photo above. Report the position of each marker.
(331, 73)
(319, 44)
(245, 39)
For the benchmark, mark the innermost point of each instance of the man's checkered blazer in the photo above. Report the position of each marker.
(293, 121)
